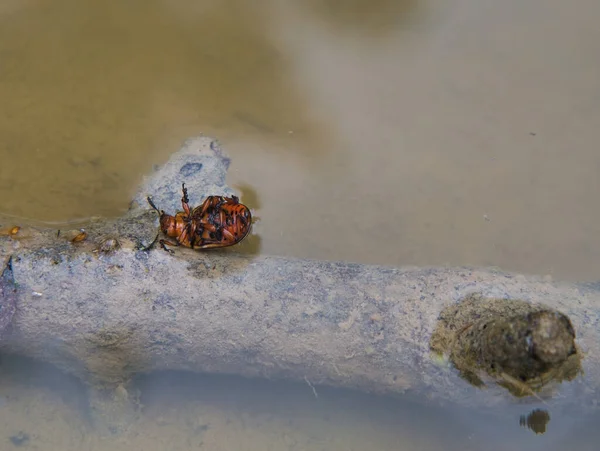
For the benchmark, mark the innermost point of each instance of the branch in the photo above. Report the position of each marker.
(104, 309)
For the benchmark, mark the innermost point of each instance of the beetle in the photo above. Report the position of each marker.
(220, 221)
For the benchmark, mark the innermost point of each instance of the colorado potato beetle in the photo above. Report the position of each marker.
(219, 221)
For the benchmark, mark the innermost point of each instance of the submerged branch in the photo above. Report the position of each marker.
(103, 308)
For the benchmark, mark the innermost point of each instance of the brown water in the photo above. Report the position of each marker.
(391, 132)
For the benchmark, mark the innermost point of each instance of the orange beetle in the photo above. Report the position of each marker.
(218, 222)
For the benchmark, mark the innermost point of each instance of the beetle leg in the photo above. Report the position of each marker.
(147, 248)
(185, 201)
(187, 235)
(230, 237)
(182, 236)
(191, 235)
(212, 203)
(216, 234)
(205, 205)
(163, 244)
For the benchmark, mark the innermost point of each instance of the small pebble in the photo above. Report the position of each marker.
(109, 245)
(80, 237)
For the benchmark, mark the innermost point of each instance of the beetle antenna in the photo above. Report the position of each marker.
(151, 202)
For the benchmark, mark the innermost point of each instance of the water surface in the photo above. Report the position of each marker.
(388, 132)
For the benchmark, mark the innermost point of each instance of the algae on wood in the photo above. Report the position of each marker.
(521, 346)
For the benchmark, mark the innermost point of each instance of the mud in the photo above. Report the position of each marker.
(521, 346)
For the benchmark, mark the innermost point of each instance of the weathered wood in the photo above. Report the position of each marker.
(104, 309)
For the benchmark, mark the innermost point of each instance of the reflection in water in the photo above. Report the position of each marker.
(585, 436)
(249, 196)
(184, 411)
(537, 420)
(252, 244)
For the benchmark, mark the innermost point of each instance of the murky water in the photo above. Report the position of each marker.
(43, 409)
(391, 132)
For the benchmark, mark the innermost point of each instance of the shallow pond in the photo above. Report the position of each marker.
(389, 132)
